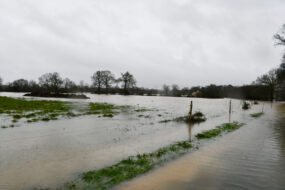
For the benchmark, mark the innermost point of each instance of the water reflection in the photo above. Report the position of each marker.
(190, 126)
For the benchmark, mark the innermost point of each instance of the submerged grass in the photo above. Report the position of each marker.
(46, 110)
(226, 127)
(197, 117)
(256, 115)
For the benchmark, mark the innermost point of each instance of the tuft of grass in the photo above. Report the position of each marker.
(108, 115)
(245, 105)
(256, 115)
(104, 108)
(166, 121)
(226, 127)
(144, 110)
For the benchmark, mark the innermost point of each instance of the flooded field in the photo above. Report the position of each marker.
(47, 154)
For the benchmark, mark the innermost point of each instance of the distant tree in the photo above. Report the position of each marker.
(166, 90)
(117, 82)
(97, 80)
(270, 80)
(51, 82)
(33, 86)
(175, 90)
(1, 83)
(108, 78)
(128, 81)
(81, 86)
(69, 85)
(185, 91)
(280, 89)
(20, 85)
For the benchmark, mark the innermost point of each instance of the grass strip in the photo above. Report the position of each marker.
(226, 127)
(256, 115)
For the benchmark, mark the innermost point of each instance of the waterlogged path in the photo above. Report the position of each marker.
(252, 157)
(47, 154)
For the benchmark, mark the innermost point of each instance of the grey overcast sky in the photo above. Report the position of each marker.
(184, 42)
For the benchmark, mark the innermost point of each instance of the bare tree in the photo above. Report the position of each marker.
(270, 80)
(51, 82)
(97, 80)
(1, 81)
(175, 90)
(128, 81)
(166, 90)
(69, 85)
(81, 86)
(108, 78)
(280, 36)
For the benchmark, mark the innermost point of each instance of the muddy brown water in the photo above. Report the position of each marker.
(47, 154)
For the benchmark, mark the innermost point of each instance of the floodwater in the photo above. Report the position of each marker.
(252, 157)
(47, 154)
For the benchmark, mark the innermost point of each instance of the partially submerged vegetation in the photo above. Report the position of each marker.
(226, 127)
(245, 105)
(46, 110)
(197, 117)
(32, 110)
(256, 115)
(133, 166)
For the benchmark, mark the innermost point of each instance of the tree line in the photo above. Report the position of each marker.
(102, 82)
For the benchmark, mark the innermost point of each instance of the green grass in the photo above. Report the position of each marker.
(46, 110)
(226, 127)
(15, 105)
(104, 108)
(32, 110)
(256, 115)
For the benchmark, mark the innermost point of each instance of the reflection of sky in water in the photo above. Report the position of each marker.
(53, 152)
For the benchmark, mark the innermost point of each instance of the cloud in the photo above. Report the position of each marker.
(193, 42)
